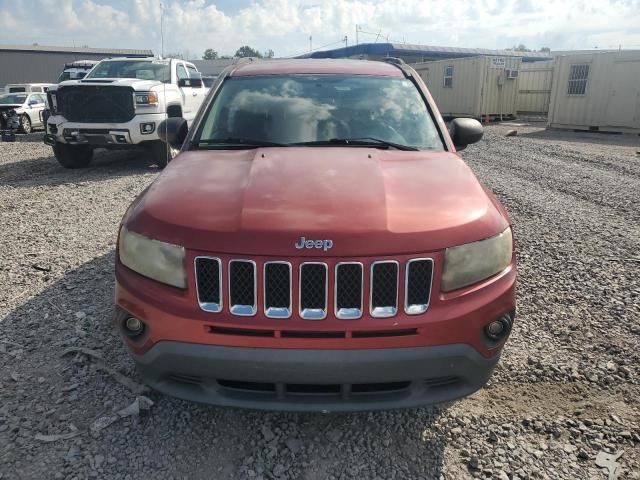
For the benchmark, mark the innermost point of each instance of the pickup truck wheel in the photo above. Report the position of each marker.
(73, 156)
(160, 154)
(25, 124)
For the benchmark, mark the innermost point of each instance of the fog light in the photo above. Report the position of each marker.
(147, 128)
(133, 325)
(495, 329)
(499, 328)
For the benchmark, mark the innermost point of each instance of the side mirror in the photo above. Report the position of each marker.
(190, 82)
(465, 131)
(173, 131)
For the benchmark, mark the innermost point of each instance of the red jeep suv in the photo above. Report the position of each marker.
(316, 245)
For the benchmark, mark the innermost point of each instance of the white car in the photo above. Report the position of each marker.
(28, 108)
(119, 105)
(27, 87)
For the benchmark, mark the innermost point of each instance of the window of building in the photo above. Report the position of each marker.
(448, 76)
(578, 76)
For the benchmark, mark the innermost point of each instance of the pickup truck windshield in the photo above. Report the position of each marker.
(320, 110)
(143, 70)
(15, 99)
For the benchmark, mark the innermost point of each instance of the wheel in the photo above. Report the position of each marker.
(73, 156)
(160, 153)
(25, 124)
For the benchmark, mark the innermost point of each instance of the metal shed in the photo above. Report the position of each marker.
(596, 91)
(534, 87)
(40, 63)
(478, 87)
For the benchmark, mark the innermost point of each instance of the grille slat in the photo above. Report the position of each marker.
(277, 289)
(348, 290)
(209, 283)
(313, 290)
(419, 273)
(384, 289)
(242, 287)
(241, 282)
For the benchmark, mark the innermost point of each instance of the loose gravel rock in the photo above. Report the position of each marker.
(567, 387)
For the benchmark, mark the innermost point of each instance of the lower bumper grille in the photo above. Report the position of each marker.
(241, 279)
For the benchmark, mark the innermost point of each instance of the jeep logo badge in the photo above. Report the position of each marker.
(304, 243)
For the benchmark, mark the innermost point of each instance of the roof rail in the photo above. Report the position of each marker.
(398, 62)
(394, 60)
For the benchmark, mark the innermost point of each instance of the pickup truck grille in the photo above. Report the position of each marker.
(96, 103)
(316, 289)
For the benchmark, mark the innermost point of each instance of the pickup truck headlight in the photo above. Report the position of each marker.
(146, 98)
(473, 262)
(158, 260)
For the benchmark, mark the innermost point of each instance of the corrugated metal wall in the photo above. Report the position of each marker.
(611, 101)
(37, 67)
(534, 87)
(476, 89)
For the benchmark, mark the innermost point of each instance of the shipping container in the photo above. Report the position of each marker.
(597, 91)
(534, 87)
(478, 87)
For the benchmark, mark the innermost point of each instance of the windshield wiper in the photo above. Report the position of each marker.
(238, 142)
(360, 142)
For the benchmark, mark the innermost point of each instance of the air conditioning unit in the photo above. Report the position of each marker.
(512, 74)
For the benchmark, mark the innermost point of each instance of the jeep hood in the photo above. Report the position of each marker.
(367, 201)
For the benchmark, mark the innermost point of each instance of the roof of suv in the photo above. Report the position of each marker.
(316, 66)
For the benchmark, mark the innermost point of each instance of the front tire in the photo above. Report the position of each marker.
(72, 156)
(160, 153)
(25, 124)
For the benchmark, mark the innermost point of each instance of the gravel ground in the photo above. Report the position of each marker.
(566, 389)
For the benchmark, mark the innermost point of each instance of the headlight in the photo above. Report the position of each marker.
(146, 98)
(160, 261)
(468, 264)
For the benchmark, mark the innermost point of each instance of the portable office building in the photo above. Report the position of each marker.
(534, 87)
(478, 87)
(596, 91)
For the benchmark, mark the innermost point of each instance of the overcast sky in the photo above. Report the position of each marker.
(285, 26)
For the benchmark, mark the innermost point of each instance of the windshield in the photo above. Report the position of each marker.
(320, 108)
(144, 70)
(71, 75)
(12, 99)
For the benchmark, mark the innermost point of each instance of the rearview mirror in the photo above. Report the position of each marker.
(465, 131)
(173, 131)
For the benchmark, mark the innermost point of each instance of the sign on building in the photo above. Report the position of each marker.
(497, 62)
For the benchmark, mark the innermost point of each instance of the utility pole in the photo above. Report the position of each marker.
(310, 43)
(346, 41)
(357, 34)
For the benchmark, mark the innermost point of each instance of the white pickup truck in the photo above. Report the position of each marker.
(119, 105)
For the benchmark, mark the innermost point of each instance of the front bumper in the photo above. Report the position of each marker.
(59, 130)
(314, 380)
(302, 365)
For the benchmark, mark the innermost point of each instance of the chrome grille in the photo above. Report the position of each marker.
(242, 287)
(384, 289)
(313, 290)
(209, 283)
(348, 290)
(417, 292)
(277, 289)
(381, 284)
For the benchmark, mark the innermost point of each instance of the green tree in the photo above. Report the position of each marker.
(545, 50)
(521, 48)
(210, 54)
(247, 51)
(269, 54)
